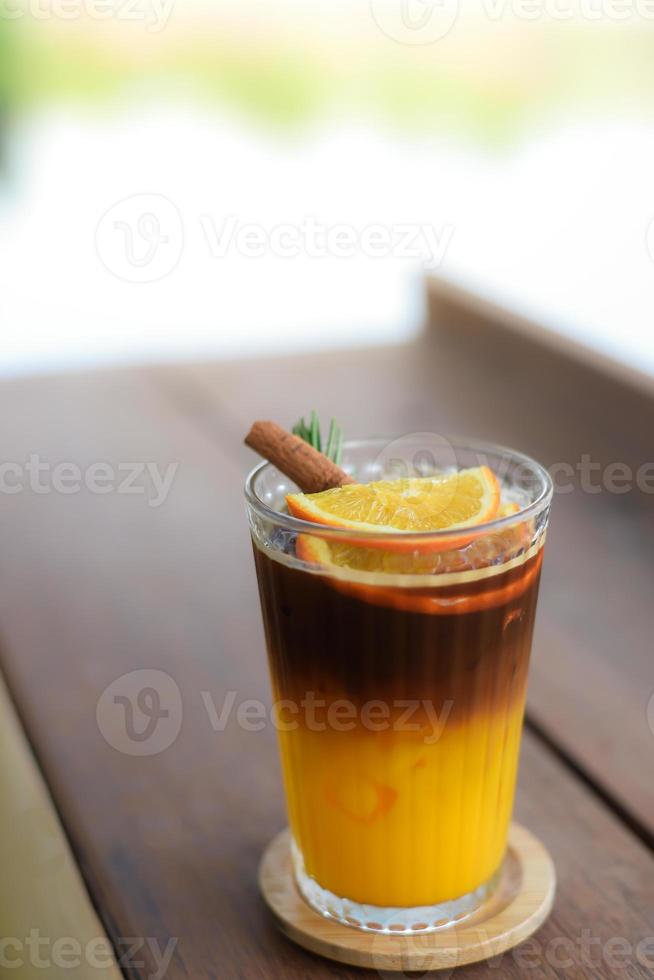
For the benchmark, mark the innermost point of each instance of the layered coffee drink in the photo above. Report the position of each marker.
(398, 620)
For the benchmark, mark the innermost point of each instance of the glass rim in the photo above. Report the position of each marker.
(297, 524)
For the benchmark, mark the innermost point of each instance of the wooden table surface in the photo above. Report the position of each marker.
(96, 586)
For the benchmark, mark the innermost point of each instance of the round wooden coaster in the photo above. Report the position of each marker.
(518, 908)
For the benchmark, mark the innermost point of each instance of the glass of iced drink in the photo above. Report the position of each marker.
(398, 615)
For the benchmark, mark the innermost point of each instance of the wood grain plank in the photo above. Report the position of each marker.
(47, 921)
(593, 674)
(96, 586)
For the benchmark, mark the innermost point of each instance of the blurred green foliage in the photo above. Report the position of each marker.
(6, 66)
(490, 90)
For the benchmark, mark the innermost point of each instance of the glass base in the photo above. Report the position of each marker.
(376, 918)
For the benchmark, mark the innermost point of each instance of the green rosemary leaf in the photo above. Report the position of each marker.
(311, 434)
(338, 452)
(315, 431)
(301, 430)
(331, 440)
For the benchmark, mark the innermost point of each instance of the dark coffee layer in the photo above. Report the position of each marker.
(331, 645)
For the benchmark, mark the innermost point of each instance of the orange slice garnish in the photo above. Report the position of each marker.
(421, 504)
(364, 572)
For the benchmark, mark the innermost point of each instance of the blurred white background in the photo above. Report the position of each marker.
(276, 176)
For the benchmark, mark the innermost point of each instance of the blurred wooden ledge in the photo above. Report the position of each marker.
(563, 398)
(461, 307)
(47, 922)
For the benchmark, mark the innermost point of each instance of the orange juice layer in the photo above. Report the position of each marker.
(384, 814)
(388, 819)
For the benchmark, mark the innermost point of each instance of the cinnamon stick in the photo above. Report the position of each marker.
(311, 470)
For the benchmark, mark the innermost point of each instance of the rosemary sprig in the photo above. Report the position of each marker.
(311, 434)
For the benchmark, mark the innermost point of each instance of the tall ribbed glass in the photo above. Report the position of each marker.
(399, 679)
